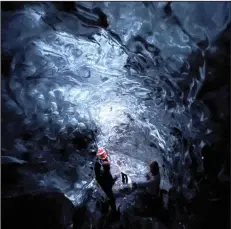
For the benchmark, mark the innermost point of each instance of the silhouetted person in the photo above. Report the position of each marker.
(104, 178)
(152, 184)
(151, 195)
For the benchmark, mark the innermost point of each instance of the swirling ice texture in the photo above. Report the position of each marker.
(134, 82)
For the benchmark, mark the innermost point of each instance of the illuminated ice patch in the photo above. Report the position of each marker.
(109, 113)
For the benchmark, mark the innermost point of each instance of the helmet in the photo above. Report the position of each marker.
(102, 154)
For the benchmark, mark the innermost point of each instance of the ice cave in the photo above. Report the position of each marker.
(143, 80)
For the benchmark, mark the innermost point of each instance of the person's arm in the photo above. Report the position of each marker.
(146, 183)
(148, 176)
(97, 171)
(140, 184)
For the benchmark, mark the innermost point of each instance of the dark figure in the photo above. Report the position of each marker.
(124, 178)
(152, 184)
(105, 180)
(151, 195)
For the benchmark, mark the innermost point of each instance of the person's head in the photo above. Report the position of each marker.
(154, 168)
(102, 154)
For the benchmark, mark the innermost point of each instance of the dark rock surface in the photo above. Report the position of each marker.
(42, 210)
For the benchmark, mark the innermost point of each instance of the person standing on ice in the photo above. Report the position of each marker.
(151, 196)
(104, 177)
(152, 184)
